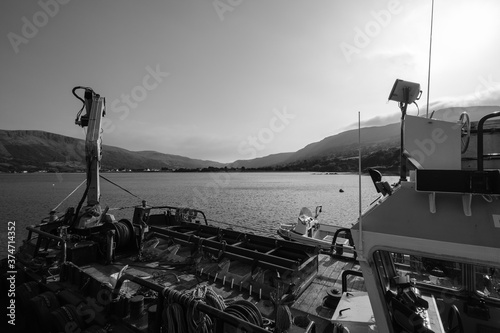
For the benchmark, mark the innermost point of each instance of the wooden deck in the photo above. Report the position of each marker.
(329, 277)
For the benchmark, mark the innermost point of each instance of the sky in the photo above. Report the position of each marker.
(224, 80)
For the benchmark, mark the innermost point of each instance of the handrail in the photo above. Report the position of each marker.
(480, 148)
(348, 234)
(349, 237)
(311, 328)
(183, 300)
(47, 235)
(344, 277)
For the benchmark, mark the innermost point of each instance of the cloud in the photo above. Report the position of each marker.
(393, 57)
(486, 94)
(375, 121)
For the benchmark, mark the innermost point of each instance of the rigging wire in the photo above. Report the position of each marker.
(69, 195)
(121, 187)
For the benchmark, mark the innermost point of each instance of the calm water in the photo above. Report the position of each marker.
(256, 200)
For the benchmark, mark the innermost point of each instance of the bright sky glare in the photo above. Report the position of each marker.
(236, 79)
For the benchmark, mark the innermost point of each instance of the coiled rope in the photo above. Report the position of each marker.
(177, 318)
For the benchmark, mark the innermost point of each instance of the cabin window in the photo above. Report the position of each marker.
(382, 269)
(425, 271)
(430, 271)
(487, 282)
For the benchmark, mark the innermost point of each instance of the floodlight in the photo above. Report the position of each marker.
(405, 91)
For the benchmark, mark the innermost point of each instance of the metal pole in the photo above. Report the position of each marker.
(360, 255)
(430, 53)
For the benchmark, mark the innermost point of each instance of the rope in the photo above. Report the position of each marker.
(121, 187)
(69, 195)
(175, 318)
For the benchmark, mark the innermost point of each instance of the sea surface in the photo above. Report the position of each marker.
(257, 202)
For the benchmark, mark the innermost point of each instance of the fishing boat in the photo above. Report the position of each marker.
(328, 238)
(164, 270)
(428, 255)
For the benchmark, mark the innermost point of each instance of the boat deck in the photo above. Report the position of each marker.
(329, 277)
(309, 303)
(176, 270)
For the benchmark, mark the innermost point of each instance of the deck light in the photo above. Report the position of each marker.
(405, 92)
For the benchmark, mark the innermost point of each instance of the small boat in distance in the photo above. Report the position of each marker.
(329, 238)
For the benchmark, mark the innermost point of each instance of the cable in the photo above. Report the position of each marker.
(121, 187)
(418, 109)
(69, 195)
(81, 99)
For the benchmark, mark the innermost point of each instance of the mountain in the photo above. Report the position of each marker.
(346, 143)
(38, 150)
(380, 147)
(262, 162)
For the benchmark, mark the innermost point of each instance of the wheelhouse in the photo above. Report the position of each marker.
(430, 250)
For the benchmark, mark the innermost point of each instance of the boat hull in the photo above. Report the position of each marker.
(327, 238)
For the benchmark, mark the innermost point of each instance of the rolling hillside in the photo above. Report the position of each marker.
(338, 152)
(38, 150)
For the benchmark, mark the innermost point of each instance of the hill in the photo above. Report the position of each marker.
(262, 162)
(38, 150)
(338, 153)
(346, 144)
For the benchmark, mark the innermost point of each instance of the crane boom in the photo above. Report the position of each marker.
(93, 151)
(95, 106)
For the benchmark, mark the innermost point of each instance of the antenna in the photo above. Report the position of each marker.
(430, 54)
(360, 247)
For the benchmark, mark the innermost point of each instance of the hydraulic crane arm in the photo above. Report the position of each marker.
(95, 110)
